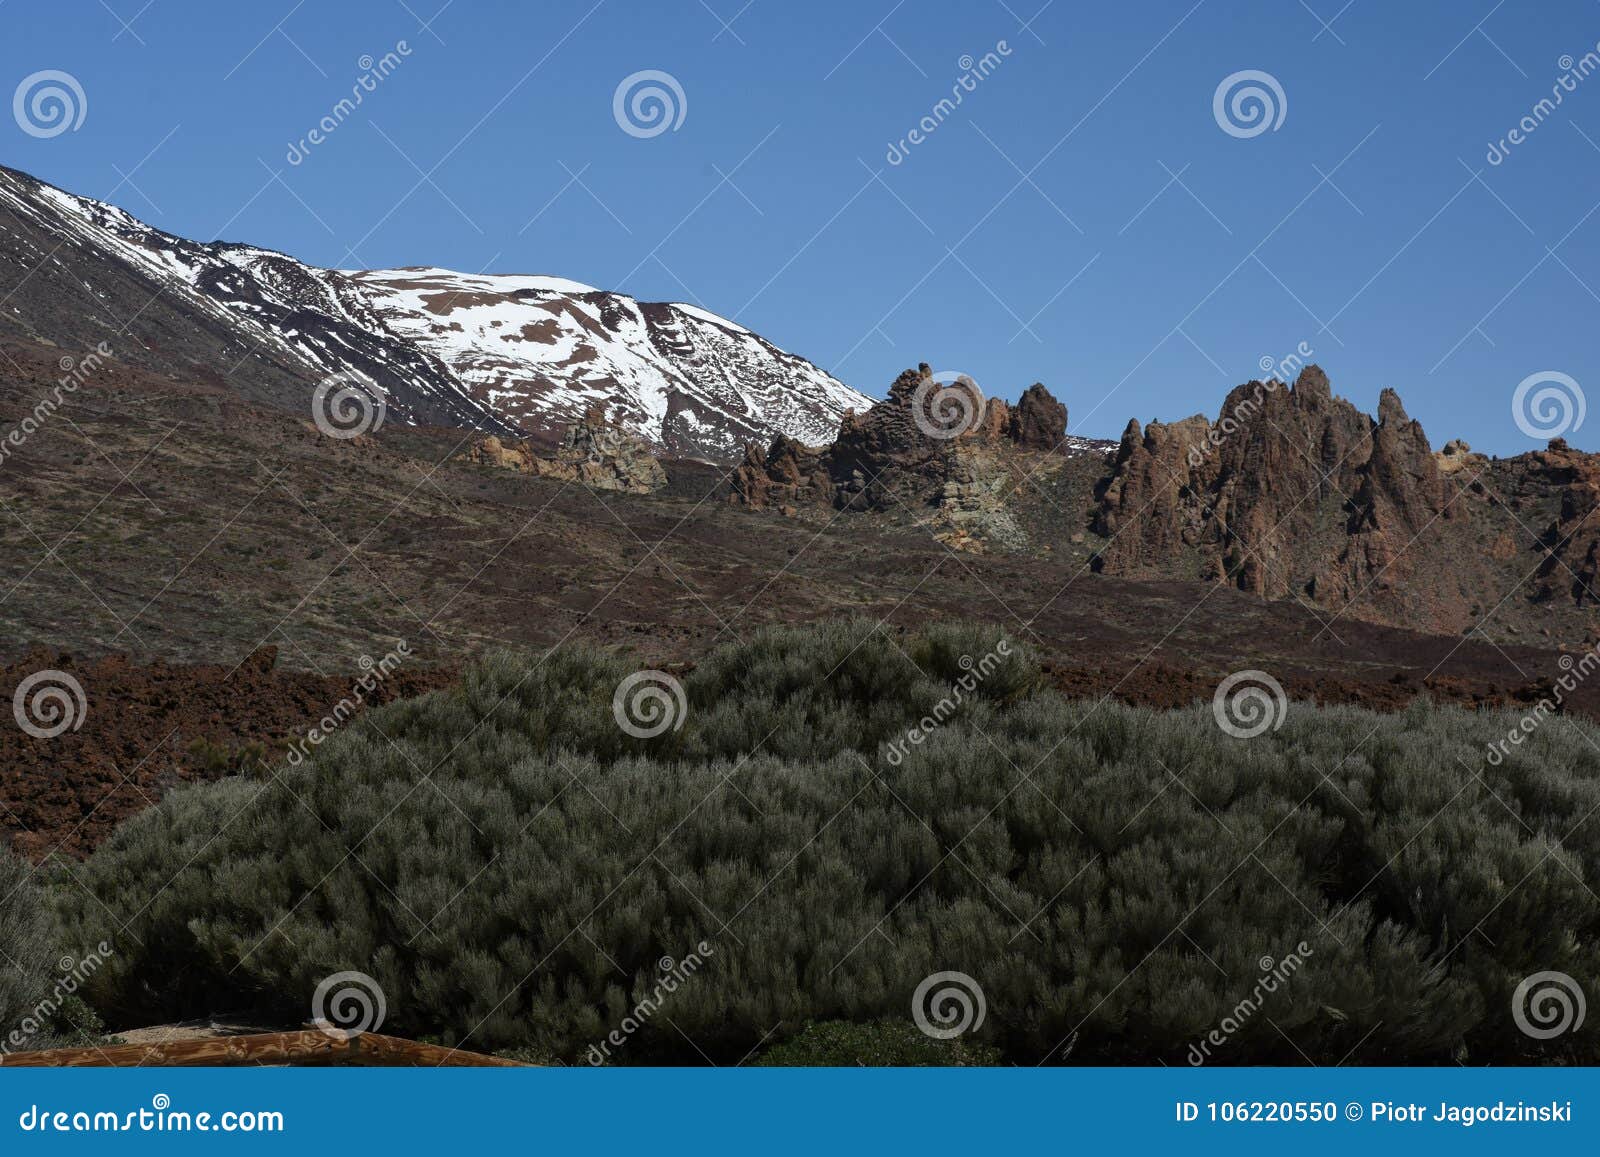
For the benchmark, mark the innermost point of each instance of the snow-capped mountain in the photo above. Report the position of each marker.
(501, 353)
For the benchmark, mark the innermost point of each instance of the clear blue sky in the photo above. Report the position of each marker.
(1128, 293)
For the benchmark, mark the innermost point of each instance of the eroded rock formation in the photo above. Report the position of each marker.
(1291, 492)
(932, 448)
(595, 452)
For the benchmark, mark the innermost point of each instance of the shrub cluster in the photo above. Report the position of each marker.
(896, 1043)
(39, 1004)
(27, 943)
(514, 869)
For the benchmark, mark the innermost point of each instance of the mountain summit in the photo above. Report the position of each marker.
(504, 354)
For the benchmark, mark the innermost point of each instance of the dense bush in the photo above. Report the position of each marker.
(27, 950)
(898, 1043)
(512, 867)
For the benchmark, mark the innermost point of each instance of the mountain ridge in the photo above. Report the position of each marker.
(503, 354)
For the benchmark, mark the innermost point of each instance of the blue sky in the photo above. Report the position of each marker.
(1081, 219)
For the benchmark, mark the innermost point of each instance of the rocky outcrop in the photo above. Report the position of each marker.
(788, 474)
(595, 452)
(973, 502)
(1291, 492)
(507, 454)
(936, 449)
(1038, 421)
(1571, 540)
(1400, 483)
(1144, 509)
(884, 450)
(1457, 456)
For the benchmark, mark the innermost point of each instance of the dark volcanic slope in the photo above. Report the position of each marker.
(61, 290)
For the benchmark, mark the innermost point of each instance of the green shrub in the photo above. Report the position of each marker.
(74, 1024)
(512, 868)
(889, 1042)
(27, 947)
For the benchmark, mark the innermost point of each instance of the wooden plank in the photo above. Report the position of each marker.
(301, 1047)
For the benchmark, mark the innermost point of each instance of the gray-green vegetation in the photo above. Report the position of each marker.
(512, 868)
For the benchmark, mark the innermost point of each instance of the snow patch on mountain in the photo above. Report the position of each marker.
(502, 352)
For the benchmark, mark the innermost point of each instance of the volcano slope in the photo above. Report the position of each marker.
(172, 520)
